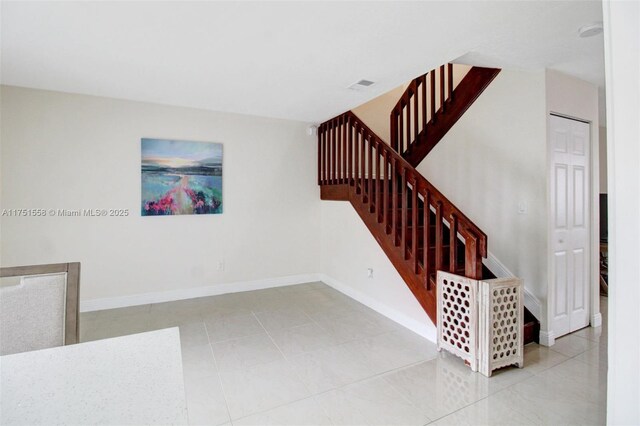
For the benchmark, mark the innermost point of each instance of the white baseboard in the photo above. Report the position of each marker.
(501, 271)
(547, 338)
(426, 330)
(596, 320)
(190, 293)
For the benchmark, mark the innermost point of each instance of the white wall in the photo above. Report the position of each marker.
(494, 159)
(622, 65)
(348, 250)
(67, 151)
(575, 98)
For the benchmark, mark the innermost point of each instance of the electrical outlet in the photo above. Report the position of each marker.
(522, 207)
(221, 265)
(370, 273)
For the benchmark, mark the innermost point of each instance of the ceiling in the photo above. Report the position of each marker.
(289, 60)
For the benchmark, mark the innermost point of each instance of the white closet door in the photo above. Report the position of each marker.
(570, 189)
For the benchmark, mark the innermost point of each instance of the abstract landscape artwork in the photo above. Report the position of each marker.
(181, 177)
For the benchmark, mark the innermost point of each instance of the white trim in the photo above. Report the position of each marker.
(596, 320)
(190, 293)
(498, 268)
(424, 329)
(547, 338)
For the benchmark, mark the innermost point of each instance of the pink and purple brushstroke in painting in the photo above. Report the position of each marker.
(181, 177)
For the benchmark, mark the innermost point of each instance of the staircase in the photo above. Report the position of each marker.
(430, 106)
(419, 229)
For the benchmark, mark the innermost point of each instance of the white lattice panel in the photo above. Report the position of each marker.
(457, 316)
(501, 324)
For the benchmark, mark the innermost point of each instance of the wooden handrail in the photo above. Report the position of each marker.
(379, 175)
(417, 106)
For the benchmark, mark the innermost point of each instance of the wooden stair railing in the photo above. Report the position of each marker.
(430, 106)
(419, 229)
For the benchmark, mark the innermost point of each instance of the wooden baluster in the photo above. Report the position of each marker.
(432, 75)
(423, 81)
(450, 85)
(377, 208)
(414, 223)
(319, 157)
(385, 185)
(356, 151)
(394, 201)
(453, 243)
(408, 141)
(334, 158)
(345, 176)
(416, 114)
(439, 236)
(426, 223)
(400, 130)
(329, 153)
(405, 213)
(393, 130)
(339, 147)
(370, 172)
(442, 87)
(350, 151)
(472, 258)
(363, 171)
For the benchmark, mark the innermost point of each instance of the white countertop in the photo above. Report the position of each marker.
(134, 379)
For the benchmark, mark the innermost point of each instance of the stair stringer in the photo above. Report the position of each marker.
(531, 302)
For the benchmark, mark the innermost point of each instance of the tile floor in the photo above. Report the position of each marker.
(309, 355)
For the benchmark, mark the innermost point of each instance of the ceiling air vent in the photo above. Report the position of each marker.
(361, 85)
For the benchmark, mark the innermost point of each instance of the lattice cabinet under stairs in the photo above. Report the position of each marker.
(481, 322)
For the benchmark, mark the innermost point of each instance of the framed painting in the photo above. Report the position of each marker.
(181, 177)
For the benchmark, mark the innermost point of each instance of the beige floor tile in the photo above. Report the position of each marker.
(352, 327)
(232, 327)
(282, 318)
(370, 402)
(245, 352)
(572, 345)
(595, 334)
(193, 334)
(261, 387)
(596, 356)
(392, 350)
(198, 361)
(303, 412)
(206, 404)
(439, 387)
(301, 339)
(329, 368)
(538, 358)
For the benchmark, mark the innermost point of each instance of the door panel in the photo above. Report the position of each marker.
(578, 197)
(570, 189)
(561, 196)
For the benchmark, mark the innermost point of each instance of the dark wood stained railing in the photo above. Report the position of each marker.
(417, 106)
(424, 228)
(430, 106)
